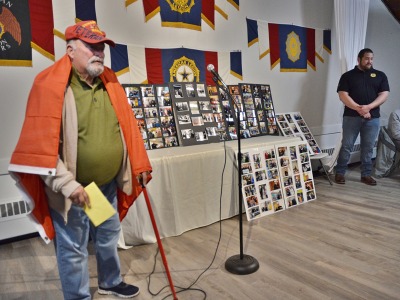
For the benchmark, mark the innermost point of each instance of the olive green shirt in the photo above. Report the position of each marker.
(100, 148)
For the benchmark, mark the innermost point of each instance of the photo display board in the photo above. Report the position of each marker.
(152, 107)
(293, 124)
(276, 178)
(257, 114)
(194, 115)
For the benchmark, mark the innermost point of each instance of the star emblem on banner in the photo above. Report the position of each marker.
(184, 70)
(184, 74)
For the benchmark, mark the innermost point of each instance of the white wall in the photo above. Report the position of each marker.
(383, 37)
(312, 93)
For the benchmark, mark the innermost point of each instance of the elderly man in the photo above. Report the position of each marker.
(79, 129)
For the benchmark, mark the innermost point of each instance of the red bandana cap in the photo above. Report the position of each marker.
(87, 31)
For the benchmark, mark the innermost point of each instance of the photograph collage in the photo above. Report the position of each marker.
(259, 109)
(195, 114)
(152, 107)
(256, 110)
(275, 178)
(293, 124)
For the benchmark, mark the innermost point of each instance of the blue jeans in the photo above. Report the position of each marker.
(71, 248)
(368, 130)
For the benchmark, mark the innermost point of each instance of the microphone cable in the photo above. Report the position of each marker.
(190, 287)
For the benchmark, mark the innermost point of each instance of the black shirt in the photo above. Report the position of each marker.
(363, 87)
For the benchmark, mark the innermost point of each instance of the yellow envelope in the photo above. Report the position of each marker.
(101, 210)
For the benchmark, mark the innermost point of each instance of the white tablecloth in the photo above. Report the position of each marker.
(185, 189)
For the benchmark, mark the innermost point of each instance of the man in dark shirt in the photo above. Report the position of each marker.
(362, 90)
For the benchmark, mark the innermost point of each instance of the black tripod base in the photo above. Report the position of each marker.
(247, 265)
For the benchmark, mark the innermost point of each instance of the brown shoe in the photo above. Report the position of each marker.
(339, 179)
(368, 180)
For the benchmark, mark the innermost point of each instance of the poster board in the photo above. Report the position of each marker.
(276, 178)
(257, 113)
(151, 105)
(293, 124)
(193, 114)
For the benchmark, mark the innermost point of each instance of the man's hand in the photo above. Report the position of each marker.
(142, 178)
(363, 110)
(367, 116)
(80, 197)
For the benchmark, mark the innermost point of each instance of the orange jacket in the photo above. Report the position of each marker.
(37, 150)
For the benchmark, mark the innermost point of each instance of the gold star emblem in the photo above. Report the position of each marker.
(185, 75)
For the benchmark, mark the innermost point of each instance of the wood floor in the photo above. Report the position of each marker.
(344, 245)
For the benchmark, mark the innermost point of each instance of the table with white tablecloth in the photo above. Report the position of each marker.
(186, 187)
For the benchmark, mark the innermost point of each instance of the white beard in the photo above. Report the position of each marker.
(94, 70)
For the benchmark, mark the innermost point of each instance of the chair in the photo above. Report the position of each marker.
(387, 158)
(318, 157)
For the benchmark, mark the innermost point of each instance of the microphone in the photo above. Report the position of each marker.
(210, 68)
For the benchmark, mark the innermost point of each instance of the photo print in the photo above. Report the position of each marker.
(201, 90)
(247, 168)
(153, 123)
(187, 134)
(201, 136)
(252, 201)
(138, 112)
(181, 106)
(163, 96)
(167, 121)
(245, 157)
(261, 175)
(171, 141)
(156, 143)
(262, 190)
(150, 112)
(247, 179)
(205, 105)
(184, 119)
(266, 206)
(194, 107)
(149, 102)
(212, 131)
(168, 131)
(260, 115)
(257, 160)
(254, 212)
(132, 92)
(274, 185)
(263, 128)
(249, 190)
(197, 121)
(258, 104)
(273, 130)
(190, 90)
(212, 90)
(178, 91)
(147, 91)
(215, 106)
(291, 201)
(166, 111)
(154, 133)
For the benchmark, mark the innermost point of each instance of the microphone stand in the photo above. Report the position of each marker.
(240, 264)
